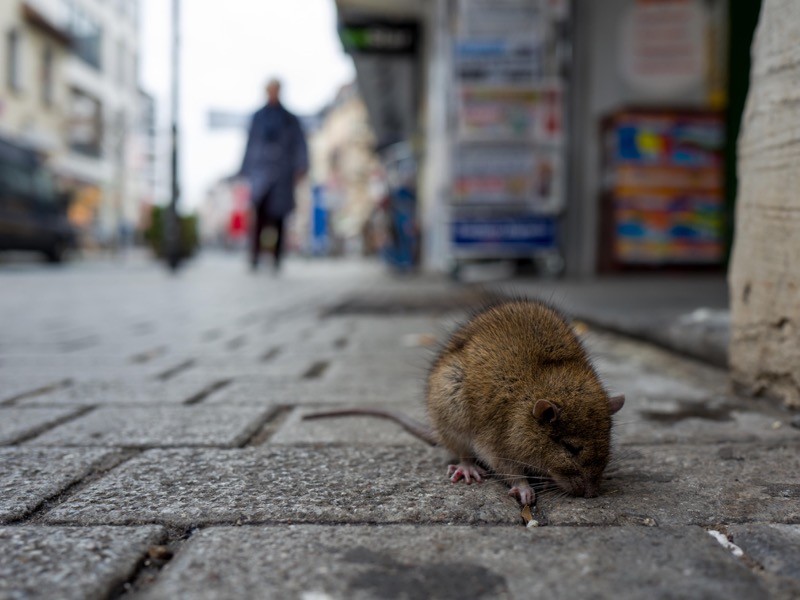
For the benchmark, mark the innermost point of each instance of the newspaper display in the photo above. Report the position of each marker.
(507, 165)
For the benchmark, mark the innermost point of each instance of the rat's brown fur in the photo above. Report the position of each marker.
(483, 390)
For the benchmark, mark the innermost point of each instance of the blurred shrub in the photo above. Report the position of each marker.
(155, 233)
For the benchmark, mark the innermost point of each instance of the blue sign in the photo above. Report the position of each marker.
(510, 234)
(319, 221)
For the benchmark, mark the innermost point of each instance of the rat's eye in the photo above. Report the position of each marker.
(573, 450)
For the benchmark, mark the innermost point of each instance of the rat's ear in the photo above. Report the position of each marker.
(616, 402)
(545, 411)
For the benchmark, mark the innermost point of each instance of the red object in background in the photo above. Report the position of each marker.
(238, 223)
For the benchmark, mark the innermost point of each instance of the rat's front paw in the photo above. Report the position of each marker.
(466, 471)
(524, 493)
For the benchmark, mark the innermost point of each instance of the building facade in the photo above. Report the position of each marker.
(36, 48)
(71, 89)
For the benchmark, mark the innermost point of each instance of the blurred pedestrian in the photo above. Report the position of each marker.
(275, 160)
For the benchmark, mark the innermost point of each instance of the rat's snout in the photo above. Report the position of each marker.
(591, 489)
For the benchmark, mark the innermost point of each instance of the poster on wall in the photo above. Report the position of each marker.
(662, 46)
(672, 229)
(666, 174)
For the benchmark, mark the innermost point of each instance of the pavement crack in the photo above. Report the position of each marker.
(316, 370)
(207, 391)
(270, 354)
(97, 471)
(237, 342)
(149, 567)
(267, 428)
(176, 370)
(34, 433)
(148, 355)
(37, 391)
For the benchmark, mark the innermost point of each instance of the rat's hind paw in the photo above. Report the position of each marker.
(466, 471)
(524, 493)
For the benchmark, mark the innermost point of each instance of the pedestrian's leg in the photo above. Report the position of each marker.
(278, 250)
(256, 229)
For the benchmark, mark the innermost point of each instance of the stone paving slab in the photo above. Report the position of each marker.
(90, 371)
(248, 366)
(389, 370)
(18, 423)
(16, 384)
(346, 430)
(643, 371)
(69, 562)
(774, 547)
(355, 392)
(688, 485)
(158, 426)
(673, 423)
(31, 475)
(125, 391)
(454, 563)
(285, 483)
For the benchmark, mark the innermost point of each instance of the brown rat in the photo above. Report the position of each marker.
(513, 389)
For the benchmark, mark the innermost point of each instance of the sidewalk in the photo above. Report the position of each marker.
(151, 445)
(684, 313)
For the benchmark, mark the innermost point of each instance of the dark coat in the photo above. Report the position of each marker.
(275, 156)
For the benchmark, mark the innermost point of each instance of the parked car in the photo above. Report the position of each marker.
(32, 210)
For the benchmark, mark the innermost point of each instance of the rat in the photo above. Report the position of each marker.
(514, 390)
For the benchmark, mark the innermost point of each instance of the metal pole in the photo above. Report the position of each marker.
(172, 239)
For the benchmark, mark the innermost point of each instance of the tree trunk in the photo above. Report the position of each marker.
(764, 275)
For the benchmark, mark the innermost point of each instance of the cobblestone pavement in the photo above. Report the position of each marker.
(151, 444)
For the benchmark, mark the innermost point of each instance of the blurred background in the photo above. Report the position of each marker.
(547, 136)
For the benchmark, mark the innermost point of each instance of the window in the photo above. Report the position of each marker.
(14, 58)
(87, 37)
(85, 124)
(121, 56)
(48, 85)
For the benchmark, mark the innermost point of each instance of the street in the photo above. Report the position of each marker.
(152, 443)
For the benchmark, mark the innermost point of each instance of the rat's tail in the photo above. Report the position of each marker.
(416, 428)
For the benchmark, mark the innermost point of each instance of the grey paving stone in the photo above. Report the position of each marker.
(643, 357)
(454, 563)
(391, 370)
(250, 366)
(31, 475)
(683, 484)
(775, 547)
(286, 483)
(68, 562)
(122, 391)
(705, 421)
(356, 391)
(17, 423)
(346, 430)
(158, 426)
(18, 384)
